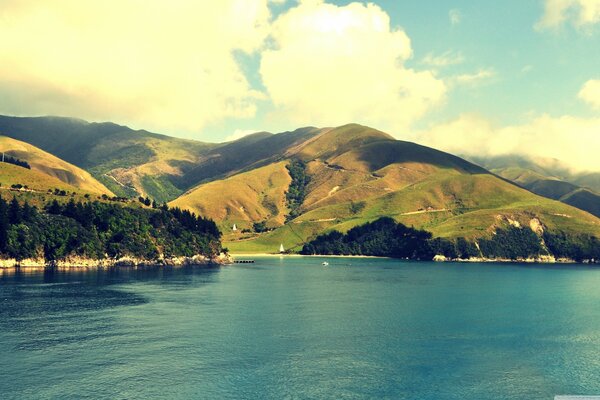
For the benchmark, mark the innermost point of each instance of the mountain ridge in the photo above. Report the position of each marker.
(291, 186)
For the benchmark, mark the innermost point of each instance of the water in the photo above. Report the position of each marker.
(360, 328)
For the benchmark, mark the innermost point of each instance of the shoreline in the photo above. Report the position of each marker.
(438, 259)
(234, 255)
(128, 262)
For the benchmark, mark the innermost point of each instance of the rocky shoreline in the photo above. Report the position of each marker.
(83, 262)
(536, 260)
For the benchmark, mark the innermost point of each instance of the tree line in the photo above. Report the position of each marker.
(296, 192)
(99, 230)
(387, 238)
(15, 161)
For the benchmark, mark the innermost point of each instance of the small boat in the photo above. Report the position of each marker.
(325, 263)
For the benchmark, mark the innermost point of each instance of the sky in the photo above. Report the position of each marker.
(465, 76)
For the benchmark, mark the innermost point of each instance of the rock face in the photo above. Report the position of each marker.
(82, 262)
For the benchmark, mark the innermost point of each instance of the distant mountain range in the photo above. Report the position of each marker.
(549, 178)
(287, 188)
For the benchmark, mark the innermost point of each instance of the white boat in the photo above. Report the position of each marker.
(281, 249)
(325, 263)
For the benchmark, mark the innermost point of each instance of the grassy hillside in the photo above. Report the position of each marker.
(358, 174)
(48, 164)
(245, 198)
(549, 178)
(136, 162)
(446, 204)
(247, 153)
(38, 188)
(128, 162)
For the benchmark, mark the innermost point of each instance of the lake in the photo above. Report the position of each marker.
(291, 328)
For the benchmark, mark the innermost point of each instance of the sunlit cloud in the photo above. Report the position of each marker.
(566, 138)
(167, 67)
(475, 78)
(590, 93)
(580, 13)
(445, 59)
(330, 65)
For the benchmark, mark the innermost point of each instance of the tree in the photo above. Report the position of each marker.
(14, 212)
(259, 227)
(3, 224)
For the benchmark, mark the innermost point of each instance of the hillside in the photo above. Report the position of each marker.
(129, 162)
(36, 187)
(48, 164)
(357, 174)
(242, 199)
(136, 162)
(548, 178)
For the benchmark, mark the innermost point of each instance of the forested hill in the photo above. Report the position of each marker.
(103, 231)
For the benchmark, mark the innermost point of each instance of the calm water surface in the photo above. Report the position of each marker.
(290, 328)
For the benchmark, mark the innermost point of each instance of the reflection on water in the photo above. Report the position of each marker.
(290, 328)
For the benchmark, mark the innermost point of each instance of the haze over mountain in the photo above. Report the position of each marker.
(549, 178)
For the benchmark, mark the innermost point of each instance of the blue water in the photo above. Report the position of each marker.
(291, 328)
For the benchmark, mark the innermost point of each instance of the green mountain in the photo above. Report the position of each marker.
(136, 162)
(52, 166)
(343, 177)
(287, 188)
(548, 178)
(127, 161)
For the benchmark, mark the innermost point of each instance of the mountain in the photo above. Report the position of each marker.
(549, 178)
(247, 153)
(356, 174)
(128, 162)
(32, 183)
(137, 162)
(289, 187)
(48, 164)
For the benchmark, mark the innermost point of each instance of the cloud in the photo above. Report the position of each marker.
(240, 133)
(445, 59)
(590, 93)
(474, 78)
(163, 66)
(331, 65)
(570, 139)
(580, 13)
(455, 16)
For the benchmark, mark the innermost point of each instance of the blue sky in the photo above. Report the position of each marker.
(518, 76)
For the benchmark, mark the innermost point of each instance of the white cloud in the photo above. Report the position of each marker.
(443, 60)
(474, 78)
(332, 65)
(590, 93)
(163, 66)
(573, 140)
(581, 13)
(240, 133)
(455, 16)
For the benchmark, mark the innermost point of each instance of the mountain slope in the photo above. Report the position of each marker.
(35, 181)
(136, 162)
(127, 161)
(258, 195)
(358, 174)
(53, 166)
(548, 178)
